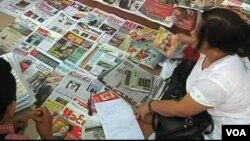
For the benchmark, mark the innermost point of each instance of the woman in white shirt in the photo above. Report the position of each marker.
(219, 82)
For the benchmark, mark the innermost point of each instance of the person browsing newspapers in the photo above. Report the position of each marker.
(219, 82)
(12, 128)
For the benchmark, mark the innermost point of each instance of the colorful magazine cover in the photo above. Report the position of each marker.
(143, 53)
(166, 44)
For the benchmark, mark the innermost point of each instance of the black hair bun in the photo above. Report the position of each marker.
(4, 66)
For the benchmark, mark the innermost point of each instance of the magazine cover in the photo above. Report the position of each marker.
(143, 53)
(165, 43)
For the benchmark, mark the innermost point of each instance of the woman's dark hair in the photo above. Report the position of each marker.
(225, 30)
(7, 87)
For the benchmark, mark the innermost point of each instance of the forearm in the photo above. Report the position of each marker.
(167, 108)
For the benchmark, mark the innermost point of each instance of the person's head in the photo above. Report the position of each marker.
(8, 91)
(223, 31)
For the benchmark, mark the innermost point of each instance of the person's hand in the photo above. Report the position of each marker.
(43, 120)
(181, 38)
(142, 111)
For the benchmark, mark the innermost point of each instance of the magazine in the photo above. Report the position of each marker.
(143, 53)
(165, 43)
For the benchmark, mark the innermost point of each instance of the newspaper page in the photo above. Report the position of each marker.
(61, 23)
(110, 26)
(63, 129)
(71, 48)
(158, 11)
(104, 59)
(59, 4)
(37, 15)
(199, 5)
(24, 96)
(133, 97)
(36, 67)
(16, 7)
(75, 115)
(51, 82)
(87, 32)
(127, 5)
(77, 10)
(12, 35)
(111, 114)
(123, 32)
(95, 17)
(87, 107)
(42, 38)
(45, 7)
(76, 83)
(95, 133)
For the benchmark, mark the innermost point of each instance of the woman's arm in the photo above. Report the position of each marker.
(187, 106)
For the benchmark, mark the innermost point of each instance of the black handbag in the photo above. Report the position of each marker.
(192, 127)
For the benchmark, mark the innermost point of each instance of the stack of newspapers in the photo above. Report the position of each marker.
(24, 95)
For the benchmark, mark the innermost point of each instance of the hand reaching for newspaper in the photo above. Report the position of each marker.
(43, 120)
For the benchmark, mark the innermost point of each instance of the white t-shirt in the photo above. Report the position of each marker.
(225, 86)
